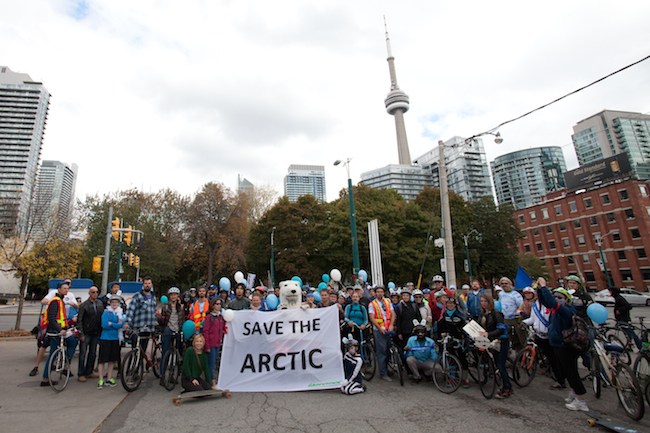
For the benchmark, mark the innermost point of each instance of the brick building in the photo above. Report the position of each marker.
(563, 231)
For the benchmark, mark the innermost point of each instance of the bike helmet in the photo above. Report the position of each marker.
(173, 290)
(564, 292)
(417, 292)
(438, 278)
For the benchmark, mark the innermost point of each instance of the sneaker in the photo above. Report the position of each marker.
(386, 378)
(46, 383)
(34, 371)
(465, 383)
(111, 382)
(577, 405)
(100, 384)
(504, 393)
(570, 398)
(81, 378)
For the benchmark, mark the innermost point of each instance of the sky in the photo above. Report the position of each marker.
(154, 94)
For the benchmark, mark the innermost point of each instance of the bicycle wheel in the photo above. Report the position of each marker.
(472, 364)
(58, 370)
(447, 373)
(132, 370)
(369, 367)
(594, 373)
(642, 369)
(647, 393)
(629, 392)
(157, 355)
(625, 355)
(524, 367)
(171, 361)
(487, 375)
(398, 364)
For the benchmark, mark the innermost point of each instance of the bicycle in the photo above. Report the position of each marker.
(59, 364)
(172, 362)
(607, 366)
(623, 333)
(395, 362)
(447, 370)
(132, 367)
(366, 350)
(486, 368)
(527, 361)
(642, 370)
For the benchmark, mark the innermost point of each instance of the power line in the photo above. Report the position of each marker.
(493, 130)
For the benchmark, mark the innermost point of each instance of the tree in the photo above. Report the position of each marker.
(533, 265)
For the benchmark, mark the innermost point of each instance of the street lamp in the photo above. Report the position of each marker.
(353, 220)
(599, 242)
(272, 259)
(450, 265)
(469, 262)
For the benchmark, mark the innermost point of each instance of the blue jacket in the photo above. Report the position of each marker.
(474, 303)
(561, 317)
(110, 326)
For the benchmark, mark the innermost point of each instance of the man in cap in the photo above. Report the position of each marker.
(511, 300)
(406, 312)
(382, 317)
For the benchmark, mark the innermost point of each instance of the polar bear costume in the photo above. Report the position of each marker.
(290, 295)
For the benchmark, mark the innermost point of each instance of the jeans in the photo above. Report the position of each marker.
(87, 354)
(381, 347)
(502, 358)
(71, 345)
(213, 354)
(167, 336)
(415, 366)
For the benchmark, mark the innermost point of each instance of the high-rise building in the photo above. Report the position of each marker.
(524, 177)
(54, 202)
(612, 132)
(467, 168)
(244, 185)
(305, 179)
(407, 180)
(23, 113)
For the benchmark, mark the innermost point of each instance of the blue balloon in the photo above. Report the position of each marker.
(317, 297)
(326, 278)
(497, 305)
(598, 313)
(224, 283)
(363, 275)
(272, 301)
(298, 279)
(164, 299)
(391, 285)
(322, 285)
(188, 329)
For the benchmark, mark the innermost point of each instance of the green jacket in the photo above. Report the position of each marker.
(195, 366)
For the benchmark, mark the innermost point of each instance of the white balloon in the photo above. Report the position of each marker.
(336, 275)
(228, 315)
(239, 277)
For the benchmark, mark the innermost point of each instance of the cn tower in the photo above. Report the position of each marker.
(397, 103)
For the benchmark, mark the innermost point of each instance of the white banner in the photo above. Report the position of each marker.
(285, 350)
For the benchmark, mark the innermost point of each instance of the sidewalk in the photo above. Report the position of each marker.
(27, 407)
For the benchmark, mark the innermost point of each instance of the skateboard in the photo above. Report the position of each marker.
(610, 424)
(178, 400)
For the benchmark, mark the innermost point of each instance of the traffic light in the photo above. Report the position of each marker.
(128, 236)
(131, 259)
(97, 264)
(116, 225)
(137, 261)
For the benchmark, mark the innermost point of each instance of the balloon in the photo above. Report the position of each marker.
(497, 305)
(188, 329)
(326, 278)
(391, 285)
(239, 277)
(164, 299)
(272, 301)
(228, 315)
(317, 297)
(322, 285)
(298, 279)
(598, 313)
(363, 275)
(336, 275)
(224, 283)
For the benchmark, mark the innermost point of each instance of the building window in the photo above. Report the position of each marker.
(527, 248)
(573, 207)
(629, 214)
(549, 229)
(562, 227)
(556, 261)
(569, 260)
(605, 199)
(610, 217)
(626, 274)
(576, 224)
(646, 273)
(623, 194)
(640, 252)
(558, 210)
(585, 258)
(643, 190)
(635, 233)
(533, 215)
(521, 219)
(539, 246)
(593, 220)
(621, 255)
(551, 245)
(588, 203)
(535, 232)
(589, 276)
(581, 240)
(545, 213)
(565, 242)
(616, 236)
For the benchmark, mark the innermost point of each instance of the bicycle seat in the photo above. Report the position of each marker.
(611, 347)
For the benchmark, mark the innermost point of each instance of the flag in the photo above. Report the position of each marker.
(522, 279)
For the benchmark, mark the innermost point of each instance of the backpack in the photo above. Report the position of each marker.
(577, 336)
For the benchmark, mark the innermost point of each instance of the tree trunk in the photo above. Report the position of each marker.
(21, 298)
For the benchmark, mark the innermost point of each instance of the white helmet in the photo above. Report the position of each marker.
(438, 278)
(173, 290)
(417, 292)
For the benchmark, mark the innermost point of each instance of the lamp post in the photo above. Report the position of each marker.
(450, 265)
(469, 262)
(272, 259)
(599, 242)
(353, 219)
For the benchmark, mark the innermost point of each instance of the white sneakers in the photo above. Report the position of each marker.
(571, 397)
(577, 405)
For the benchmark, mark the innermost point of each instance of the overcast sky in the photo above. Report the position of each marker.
(153, 94)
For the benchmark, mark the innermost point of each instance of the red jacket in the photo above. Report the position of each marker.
(214, 328)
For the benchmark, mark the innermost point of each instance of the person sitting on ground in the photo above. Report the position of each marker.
(195, 375)
(352, 363)
(420, 353)
(109, 344)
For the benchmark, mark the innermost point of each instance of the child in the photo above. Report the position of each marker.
(214, 328)
(352, 364)
(109, 345)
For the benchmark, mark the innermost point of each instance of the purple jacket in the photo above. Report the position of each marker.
(213, 330)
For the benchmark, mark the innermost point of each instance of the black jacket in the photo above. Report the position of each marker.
(89, 320)
(405, 315)
(494, 324)
(453, 325)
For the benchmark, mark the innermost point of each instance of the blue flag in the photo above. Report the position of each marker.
(523, 279)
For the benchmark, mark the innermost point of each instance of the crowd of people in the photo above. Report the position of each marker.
(414, 320)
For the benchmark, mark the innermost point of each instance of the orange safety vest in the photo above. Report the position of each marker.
(198, 316)
(379, 318)
(61, 320)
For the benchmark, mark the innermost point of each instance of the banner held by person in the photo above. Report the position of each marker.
(285, 350)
